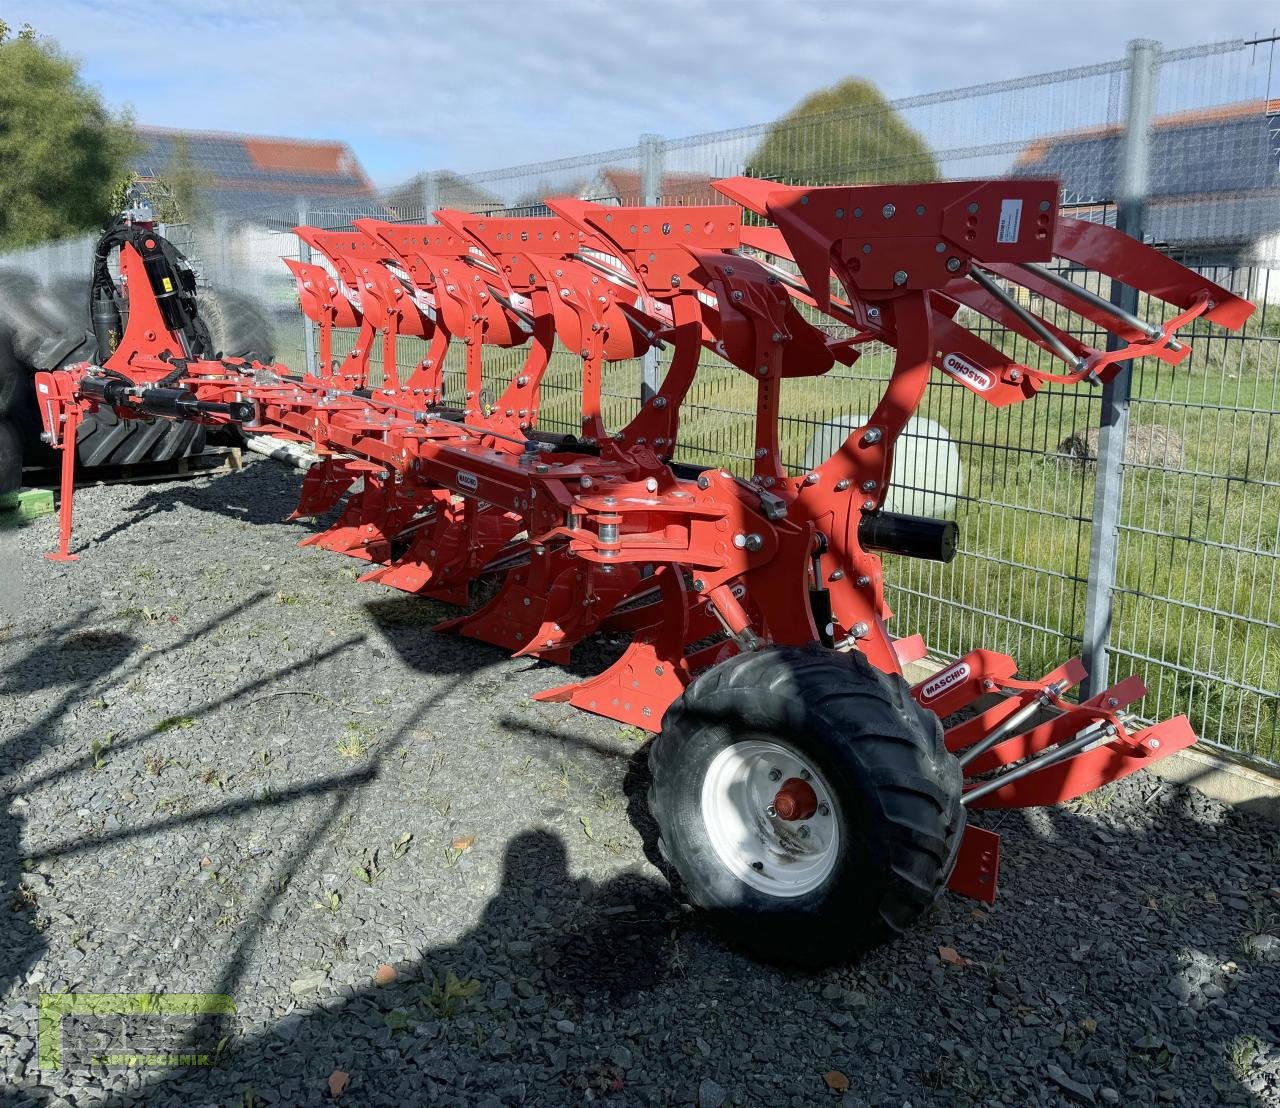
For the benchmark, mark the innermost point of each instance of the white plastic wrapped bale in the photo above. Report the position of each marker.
(926, 476)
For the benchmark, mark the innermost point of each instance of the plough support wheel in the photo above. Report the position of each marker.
(807, 802)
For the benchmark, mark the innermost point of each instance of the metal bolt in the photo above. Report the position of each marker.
(838, 575)
(868, 505)
(973, 208)
(1112, 702)
(941, 248)
(651, 484)
(810, 478)
(1015, 375)
(1044, 205)
(754, 542)
(953, 265)
(771, 812)
(587, 482)
(842, 484)
(521, 381)
(1154, 744)
(763, 371)
(659, 402)
(860, 630)
(873, 313)
(900, 278)
(887, 211)
(737, 294)
(868, 485)
(839, 213)
(704, 482)
(824, 810)
(699, 585)
(872, 435)
(775, 775)
(675, 281)
(802, 831)
(761, 452)
(863, 581)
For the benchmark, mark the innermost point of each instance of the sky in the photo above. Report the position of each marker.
(434, 84)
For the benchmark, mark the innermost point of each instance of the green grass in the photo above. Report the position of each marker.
(1201, 594)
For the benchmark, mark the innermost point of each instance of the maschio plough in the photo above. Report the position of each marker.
(803, 792)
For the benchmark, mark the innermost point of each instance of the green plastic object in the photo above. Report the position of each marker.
(17, 508)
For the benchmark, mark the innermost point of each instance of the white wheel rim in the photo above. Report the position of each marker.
(784, 858)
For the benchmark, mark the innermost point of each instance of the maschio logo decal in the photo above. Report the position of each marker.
(933, 689)
(964, 370)
(468, 481)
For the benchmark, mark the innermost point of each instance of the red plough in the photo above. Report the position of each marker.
(806, 796)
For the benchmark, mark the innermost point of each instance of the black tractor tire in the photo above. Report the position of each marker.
(49, 321)
(15, 379)
(106, 439)
(877, 760)
(237, 327)
(10, 457)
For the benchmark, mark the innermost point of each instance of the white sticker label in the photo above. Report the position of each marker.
(933, 689)
(468, 481)
(964, 370)
(43, 388)
(1010, 221)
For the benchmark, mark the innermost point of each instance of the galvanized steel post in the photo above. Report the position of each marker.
(651, 150)
(308, 324)
(1135, 164)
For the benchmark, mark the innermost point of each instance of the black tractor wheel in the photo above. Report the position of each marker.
(805, 800)
(14, 378)
(10, 458)
(237, 327)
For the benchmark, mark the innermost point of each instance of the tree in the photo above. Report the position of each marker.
(62, 151)
(178, 195)
(845, 134)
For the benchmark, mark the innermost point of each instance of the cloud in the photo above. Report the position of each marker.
(420, 85)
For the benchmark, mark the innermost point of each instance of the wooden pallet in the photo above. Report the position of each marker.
(214, 460)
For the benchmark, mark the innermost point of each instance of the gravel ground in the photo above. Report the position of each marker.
(228, 768)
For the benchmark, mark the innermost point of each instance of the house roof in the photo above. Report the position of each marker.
(626, 187)
(1215, 173)
(258, 174)
(442, 189)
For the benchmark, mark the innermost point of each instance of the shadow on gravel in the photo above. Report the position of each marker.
(1097, 970)
(62, 657)
(602, 948)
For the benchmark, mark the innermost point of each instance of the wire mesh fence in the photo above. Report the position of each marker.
(1195, 600)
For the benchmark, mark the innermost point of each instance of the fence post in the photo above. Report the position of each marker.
(1108, 491)
(430, 187)
(651, 151)
(308, 325)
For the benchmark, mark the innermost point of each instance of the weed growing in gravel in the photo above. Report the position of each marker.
(287, 600)
(355, 740)
(449, 995)
(210, 776)
(98, 750)
(369, 871)
(174, 723)
(330, 904)
(1094, 803)
(633, 734)
(1241, 1055)
(155, 764)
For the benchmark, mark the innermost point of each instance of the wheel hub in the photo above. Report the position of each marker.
(770, 816)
